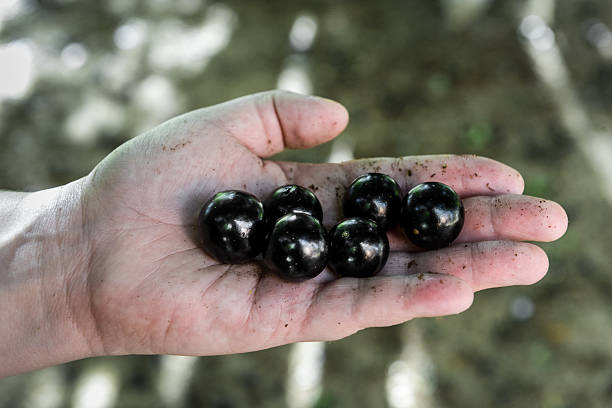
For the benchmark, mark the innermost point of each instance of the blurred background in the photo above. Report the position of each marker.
(526, 82)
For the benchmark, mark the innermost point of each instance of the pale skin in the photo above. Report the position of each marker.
(110, 264)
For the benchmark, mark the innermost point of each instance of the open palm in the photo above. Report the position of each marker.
(152, 289)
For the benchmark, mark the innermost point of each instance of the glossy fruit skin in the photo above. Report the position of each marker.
(432, 215)
(358, 247)
(232, 226)
(374, 196)
(297, 248)
(291, 199)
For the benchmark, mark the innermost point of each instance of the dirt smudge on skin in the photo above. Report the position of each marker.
(176, 147)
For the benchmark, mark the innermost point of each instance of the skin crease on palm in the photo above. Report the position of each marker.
(148, 288)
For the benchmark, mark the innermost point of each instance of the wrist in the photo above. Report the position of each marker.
(43, 279)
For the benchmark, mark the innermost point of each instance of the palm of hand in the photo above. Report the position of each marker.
(153, 290)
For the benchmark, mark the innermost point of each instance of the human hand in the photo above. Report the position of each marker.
(147, 288)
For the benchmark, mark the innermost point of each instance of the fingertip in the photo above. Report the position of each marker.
(309, 120)
(519, 181)
(507, 263)
(538, 263)
(507, 178)
(563, 220)
(442, 295)
(338, 113)
(463, 293)
(556, 223)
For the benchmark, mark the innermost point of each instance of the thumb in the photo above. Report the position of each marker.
(268, 122)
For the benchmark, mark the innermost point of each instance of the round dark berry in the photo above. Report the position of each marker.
(432, 215)
(233, 227)
(291, 199)
(374, 196)
(297, 248)
(357, 247)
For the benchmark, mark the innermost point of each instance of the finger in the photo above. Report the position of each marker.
(347, 305)
(268, 122)
(482, 265)
(467, 175)
(505, 217)
(513, 217)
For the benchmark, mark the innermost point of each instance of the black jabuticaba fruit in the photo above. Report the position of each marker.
(374, 196)
(232, 226)
(358, 247)
(297, 248)
(291, 199)
(432, 215)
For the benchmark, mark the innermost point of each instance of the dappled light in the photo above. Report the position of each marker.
(528, 83)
